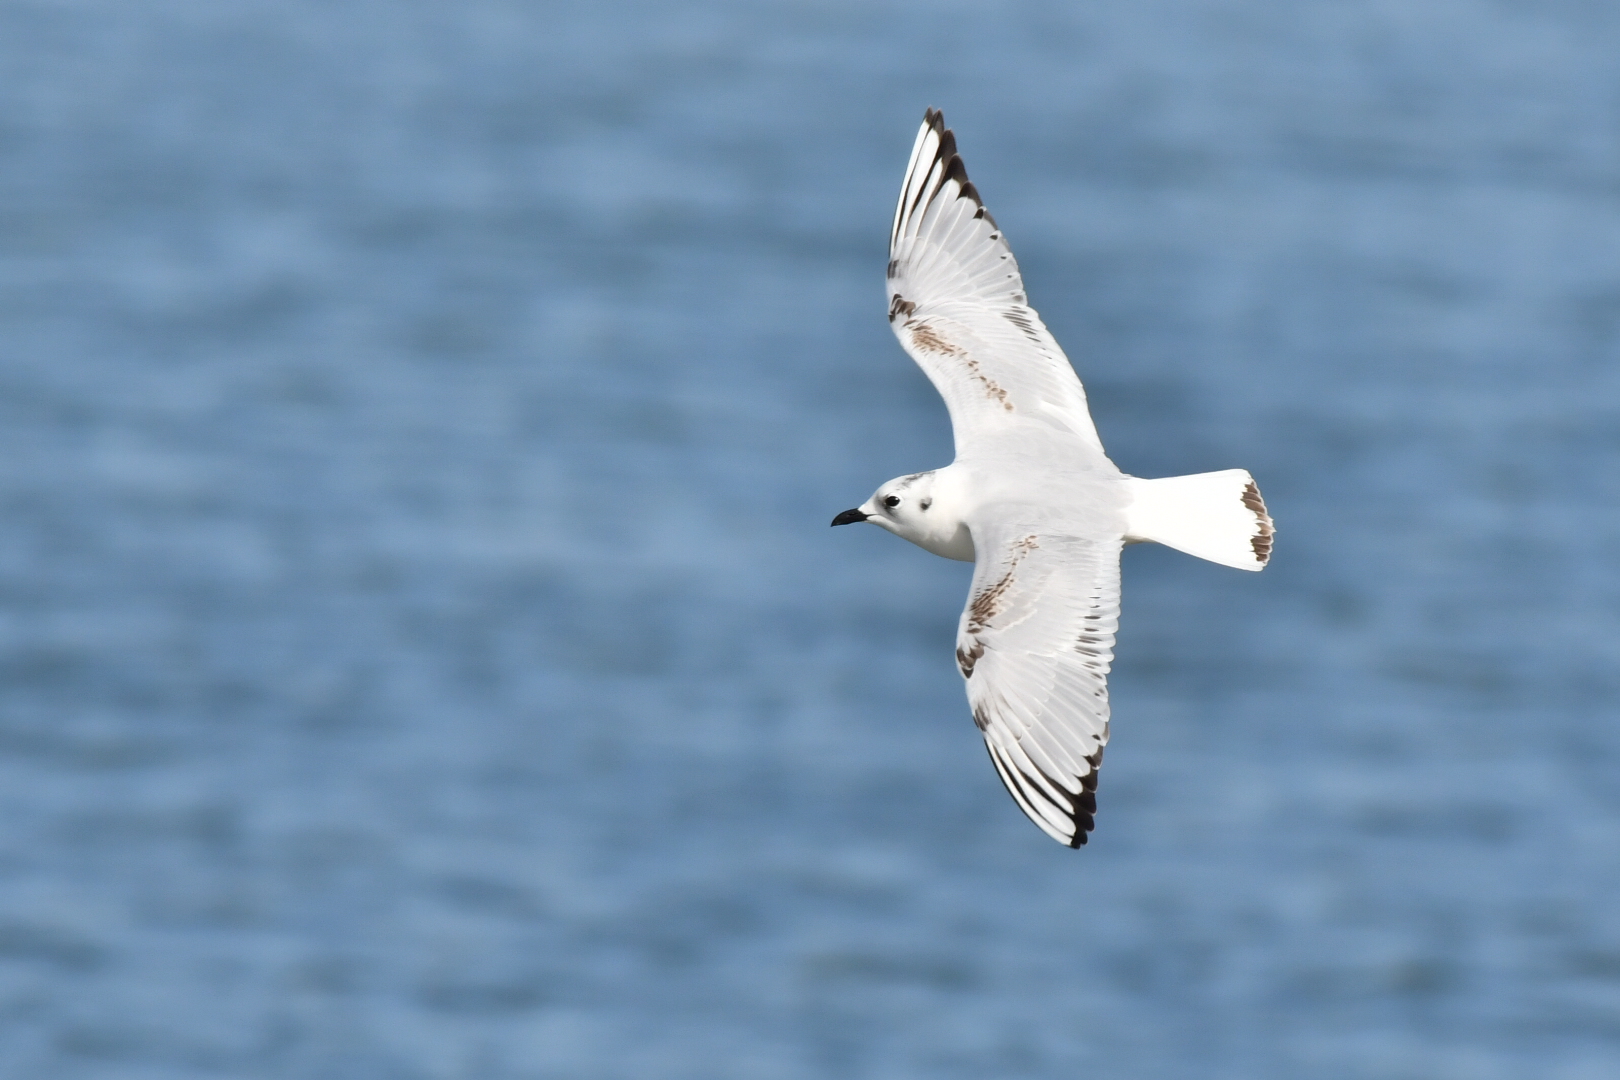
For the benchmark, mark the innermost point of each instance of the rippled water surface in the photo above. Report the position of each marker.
(423, 653)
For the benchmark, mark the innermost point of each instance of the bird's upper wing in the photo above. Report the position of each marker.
(957, 303)
(1034, 645)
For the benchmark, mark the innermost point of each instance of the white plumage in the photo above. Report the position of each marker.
(1031, 498)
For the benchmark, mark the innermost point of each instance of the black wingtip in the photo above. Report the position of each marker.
(1084, 812)
(1083, 824)
(947, 152)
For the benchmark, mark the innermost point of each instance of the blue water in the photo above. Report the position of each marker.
(423, 653)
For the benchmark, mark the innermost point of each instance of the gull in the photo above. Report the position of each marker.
(1031, 498)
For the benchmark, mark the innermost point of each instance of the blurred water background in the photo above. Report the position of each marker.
(423, 653)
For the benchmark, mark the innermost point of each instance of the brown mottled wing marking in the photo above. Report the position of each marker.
(927, 339)
(957, 303)
(1035, 643)
(968, 655)
(1261, 541)
(924, 337)
(984, 603)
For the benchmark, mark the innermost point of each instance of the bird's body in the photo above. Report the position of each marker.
(1031, 498)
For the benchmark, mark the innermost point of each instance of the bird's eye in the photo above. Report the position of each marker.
(892, 501)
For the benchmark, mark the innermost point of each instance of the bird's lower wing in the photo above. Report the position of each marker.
(1035, 644)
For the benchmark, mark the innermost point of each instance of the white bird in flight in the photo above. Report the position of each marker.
(1031, 499)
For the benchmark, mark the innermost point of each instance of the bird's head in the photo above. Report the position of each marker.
(901, 506)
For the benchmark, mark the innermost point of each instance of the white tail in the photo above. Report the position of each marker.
(1217, 516)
